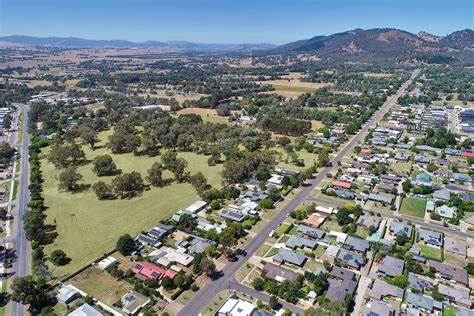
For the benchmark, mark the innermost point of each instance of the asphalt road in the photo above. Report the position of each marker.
(21, 246)
(227, 279)
(403, 217)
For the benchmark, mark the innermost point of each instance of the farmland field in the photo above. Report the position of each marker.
(87, 227)
(413, 207)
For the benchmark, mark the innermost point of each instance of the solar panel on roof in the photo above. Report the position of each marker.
(138, 266)
(155, 274)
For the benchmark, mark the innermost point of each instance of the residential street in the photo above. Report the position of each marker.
(207, 293)
(20, 245)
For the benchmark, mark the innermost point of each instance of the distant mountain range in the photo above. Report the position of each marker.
(379, 42)
(74, 42)
(384, 42)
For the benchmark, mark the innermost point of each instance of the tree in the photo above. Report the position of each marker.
(186, 223)
(401, 239)
(470, 268)
(58, 156)
(400, 280)
(178, 170)
(274, 304)
(103, 165)
(343, 216)
(33, 225)
(167, 283)
(103, 190)
(208, 266)
(227, 240)
(155, 175)
(126, 244)
(128, 185)
(215, 205)
(406, 186)
(199, 182)
(234, 171)
(68, 179)
(59, 258)
(323, 158)
(258, 284)
(75, 152)
(88, 135)
(28, 291)
(180, 281)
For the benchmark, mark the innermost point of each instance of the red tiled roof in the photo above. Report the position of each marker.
(366, 151)
(467, 154)
(171, 274)
(342, 184)
(149, 270)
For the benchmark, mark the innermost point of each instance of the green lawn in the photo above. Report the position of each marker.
(272, 252)
(308, 158)
(450, 311)
(282, 229)
(431, 252)
(262, 250)
(87, 228)
(402, 166)
(413, 206)
(330, 224)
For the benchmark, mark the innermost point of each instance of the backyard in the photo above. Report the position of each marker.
(87, 228)
(101, 285)
(431, 253)
(413, 207)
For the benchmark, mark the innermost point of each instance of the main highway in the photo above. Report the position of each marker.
(20, 245)
(227, 279)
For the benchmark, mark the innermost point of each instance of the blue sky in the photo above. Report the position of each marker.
(227, 21)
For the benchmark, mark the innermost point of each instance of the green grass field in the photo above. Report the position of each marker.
(413, 207)
(431, 253)
(308, 158)
(87, 228)
(282, 87)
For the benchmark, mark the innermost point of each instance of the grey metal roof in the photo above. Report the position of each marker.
(351, 259)
(391, 266)
(310, 231)
(285, 255)
(300, 242)
(421, 301)
(419, 283)
(430, 237)
(357, 244)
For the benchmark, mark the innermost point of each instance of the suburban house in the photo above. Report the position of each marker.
(381, 289)
(199, 245)
(235, 306)
(442, 195)
(391, 266)
(449, 272)
(310, 231)
(461, 177)
(279, 273)
(107, 263)
(132, 302)
(165, 256)
(146, 240)
(351, 259)
(455, 246)
(357, 244)
(397, 229)
(67, 294)
(419, 283)
(314, 220)
(445, 211)
(232, 215)
(341, 282)
(456, 295)
(288, 256)
(367, 221)
(161, 230)
(430, 238)
(146, 270)
(378, 308)
(423, 303)
(85, 310)
(300, 242)
(386, 200)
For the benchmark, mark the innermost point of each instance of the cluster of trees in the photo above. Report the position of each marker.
(6, 153)
(439, 138)
(290, 291)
